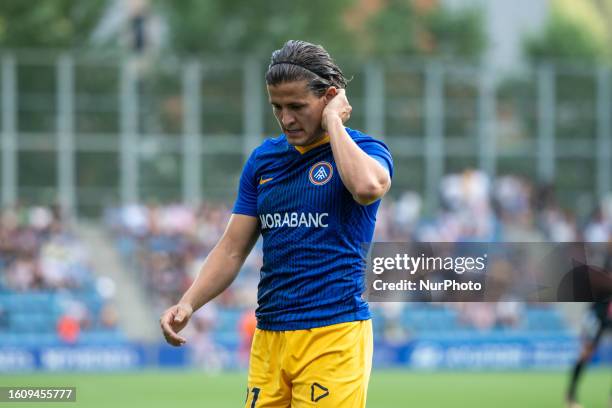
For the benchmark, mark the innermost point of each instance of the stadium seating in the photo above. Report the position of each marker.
(180, 250)
(53, 281)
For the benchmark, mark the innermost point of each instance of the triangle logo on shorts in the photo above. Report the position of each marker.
(317, 391)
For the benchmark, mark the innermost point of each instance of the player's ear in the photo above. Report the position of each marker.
(330, 93)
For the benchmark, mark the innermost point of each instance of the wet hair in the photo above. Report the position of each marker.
(300, 60)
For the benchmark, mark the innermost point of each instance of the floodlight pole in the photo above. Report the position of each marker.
(65, 135)
(375, 100)
(192, 133)
(546, 123)
(252, 105)
(9, 131)
(129, 157)
(604, 133)
(434, 132)
(487, 136)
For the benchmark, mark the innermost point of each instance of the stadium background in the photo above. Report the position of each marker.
(124, 126)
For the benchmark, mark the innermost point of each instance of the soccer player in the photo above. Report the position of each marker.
(601, 314)
(312, 193)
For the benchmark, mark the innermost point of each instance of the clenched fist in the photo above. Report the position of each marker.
(338, 106)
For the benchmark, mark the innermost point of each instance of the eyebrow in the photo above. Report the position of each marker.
(294, 104)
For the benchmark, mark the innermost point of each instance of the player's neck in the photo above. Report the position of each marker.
(322, 139)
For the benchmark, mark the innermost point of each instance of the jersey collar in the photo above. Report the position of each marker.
(307, 148)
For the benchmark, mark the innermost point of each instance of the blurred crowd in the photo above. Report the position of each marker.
(165, 246)
(168, 244)
(476, 208)
(40, 254)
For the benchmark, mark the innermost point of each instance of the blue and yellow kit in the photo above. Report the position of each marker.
(312, 230)
(312, 278)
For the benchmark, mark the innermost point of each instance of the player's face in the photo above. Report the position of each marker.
(298, 111)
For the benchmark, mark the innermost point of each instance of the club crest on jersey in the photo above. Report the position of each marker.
(320, 173)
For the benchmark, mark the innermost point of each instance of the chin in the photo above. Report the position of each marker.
(297, 142)
(302, 139)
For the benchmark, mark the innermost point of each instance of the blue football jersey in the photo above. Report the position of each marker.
(313, 231)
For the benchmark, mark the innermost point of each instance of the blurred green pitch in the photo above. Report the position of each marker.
(388, 389)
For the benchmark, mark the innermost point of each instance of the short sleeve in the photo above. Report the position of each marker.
(378, 151)
(246, 201)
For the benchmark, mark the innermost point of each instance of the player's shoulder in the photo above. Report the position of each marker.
(358, 134)
(367, 142)
(360, 137)
(269, 146)
(373, 147)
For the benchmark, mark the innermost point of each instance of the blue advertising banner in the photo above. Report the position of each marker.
(72, 358)
(478, 353)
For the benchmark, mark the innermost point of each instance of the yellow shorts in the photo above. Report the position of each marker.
(322, 367)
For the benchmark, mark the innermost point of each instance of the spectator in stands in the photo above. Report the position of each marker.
(4, 319)
(68, 329)
(108, 317)
(172, 240)
(246, 328)
(23, 274)
(205, 353)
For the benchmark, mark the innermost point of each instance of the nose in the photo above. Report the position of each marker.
(286, 118)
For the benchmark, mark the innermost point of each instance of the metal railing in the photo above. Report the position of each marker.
(88, 133)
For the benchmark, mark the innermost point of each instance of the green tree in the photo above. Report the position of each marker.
(563, 39)
(402, 27)
(48, 23)
(574, 31)
(256, 26)
(457, 33)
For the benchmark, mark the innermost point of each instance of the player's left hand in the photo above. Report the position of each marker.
(337, 105)
(173, 320)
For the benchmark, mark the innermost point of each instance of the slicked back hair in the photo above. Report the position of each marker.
(300, 60)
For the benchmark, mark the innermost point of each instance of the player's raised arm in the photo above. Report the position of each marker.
(217, 273)
(363, 176)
